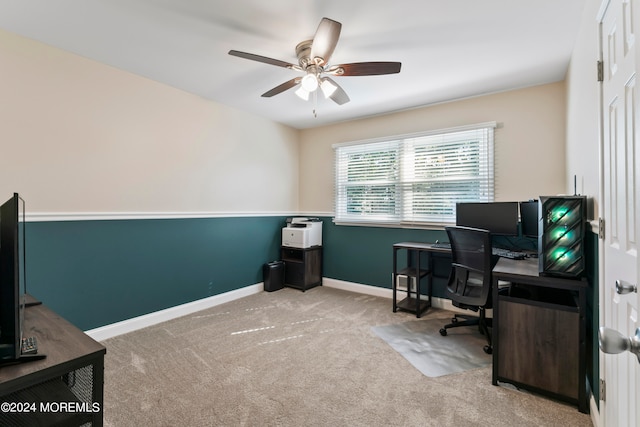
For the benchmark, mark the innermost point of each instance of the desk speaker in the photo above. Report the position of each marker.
(561, 235)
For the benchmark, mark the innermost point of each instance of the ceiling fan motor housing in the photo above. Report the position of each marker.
(303, 51)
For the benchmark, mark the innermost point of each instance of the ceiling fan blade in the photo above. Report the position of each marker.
(339, 96)
(364, 69)
(281, 88)
(263, 59)
(325, 41)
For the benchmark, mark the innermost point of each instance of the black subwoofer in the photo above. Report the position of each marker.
(561, 235)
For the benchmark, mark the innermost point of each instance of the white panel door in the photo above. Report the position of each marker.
(621, 205)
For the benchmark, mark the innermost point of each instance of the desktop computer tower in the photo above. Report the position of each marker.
(561, 235)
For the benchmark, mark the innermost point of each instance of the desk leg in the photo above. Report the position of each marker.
(495, 336)
(98, 390)
(394, 277)
(418, 292)
(430, 278)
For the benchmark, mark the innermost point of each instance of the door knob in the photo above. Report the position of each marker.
(613, 342)
(624, 287)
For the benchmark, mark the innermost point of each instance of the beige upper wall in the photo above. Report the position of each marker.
(79, 136)
(529, 147)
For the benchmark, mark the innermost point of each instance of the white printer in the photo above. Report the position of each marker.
(302, 232)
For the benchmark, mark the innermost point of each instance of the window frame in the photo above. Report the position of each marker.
(404, 213)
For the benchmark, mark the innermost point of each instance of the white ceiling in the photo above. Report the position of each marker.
(449, 49)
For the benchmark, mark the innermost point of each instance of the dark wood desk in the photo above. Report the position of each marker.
(415, 270)
(539, 339)
(65, 388)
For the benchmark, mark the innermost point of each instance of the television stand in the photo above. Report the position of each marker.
(65, 388)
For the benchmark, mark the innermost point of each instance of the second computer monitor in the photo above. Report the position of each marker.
(529, 218)
(500, 218)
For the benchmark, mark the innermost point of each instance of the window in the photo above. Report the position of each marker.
(414, 179)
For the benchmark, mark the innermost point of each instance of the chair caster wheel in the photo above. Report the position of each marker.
(443, 332)
(487, 349)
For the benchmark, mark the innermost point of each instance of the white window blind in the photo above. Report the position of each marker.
(415, 179)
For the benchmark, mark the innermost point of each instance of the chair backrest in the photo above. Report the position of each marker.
(472, 260)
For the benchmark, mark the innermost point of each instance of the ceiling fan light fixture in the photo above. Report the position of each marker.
(302, 93)
(309, 82)
(328, 88)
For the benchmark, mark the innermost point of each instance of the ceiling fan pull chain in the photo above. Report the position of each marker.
(315, 104)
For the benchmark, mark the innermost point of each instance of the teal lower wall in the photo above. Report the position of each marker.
(365, 254)
(95, 273)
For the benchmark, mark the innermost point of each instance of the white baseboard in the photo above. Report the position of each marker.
(133, 324)
(357, 287)
(109, 331)
(594, 411)
(377, 291)
(130, 325)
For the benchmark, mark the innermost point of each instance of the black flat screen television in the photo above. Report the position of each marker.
(500, 218)
(11, 262)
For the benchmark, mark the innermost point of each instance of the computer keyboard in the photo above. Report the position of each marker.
(506, 253)
(439, 245)
(501, 252)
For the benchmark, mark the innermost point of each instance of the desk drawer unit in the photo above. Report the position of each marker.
(540, 332)
(539, 346)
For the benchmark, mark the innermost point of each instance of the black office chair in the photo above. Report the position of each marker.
(469, 284)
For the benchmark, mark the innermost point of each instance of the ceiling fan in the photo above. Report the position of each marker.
(313, 60)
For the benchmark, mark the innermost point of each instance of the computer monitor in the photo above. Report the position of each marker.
(500, 218)
(529, 218)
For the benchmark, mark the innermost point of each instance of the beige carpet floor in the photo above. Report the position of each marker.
(291, 358)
